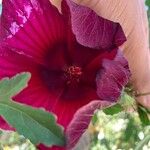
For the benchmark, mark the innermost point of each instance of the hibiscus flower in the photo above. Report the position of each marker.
(73, 57)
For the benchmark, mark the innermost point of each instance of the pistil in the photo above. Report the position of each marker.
(73, 75)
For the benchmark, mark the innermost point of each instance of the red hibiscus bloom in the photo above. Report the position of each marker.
(70, 70)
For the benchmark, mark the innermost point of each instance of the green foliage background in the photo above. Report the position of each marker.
(147, 3)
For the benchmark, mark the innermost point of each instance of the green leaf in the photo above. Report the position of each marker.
(143, 142)
(11, 87)
(94, 119)
(143, 116)
(148, 3)
(131, 129)
(115, 109)
(37, 125)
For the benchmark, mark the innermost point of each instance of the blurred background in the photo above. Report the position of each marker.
(123, 131)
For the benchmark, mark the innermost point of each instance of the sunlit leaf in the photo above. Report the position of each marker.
(11, 87)
(143, 142)
(127, 101)
(35, 124)
(115, 109)
(143, 116)
(148, 3)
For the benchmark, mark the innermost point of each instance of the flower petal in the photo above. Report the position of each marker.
(30, 27)
(94, 31)
(10, 65)
(70, 101)
(39, 95)
(43, 147)
(5, 126)
(81, 121)
(112, 78)
(79, 124)
(22, 32)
